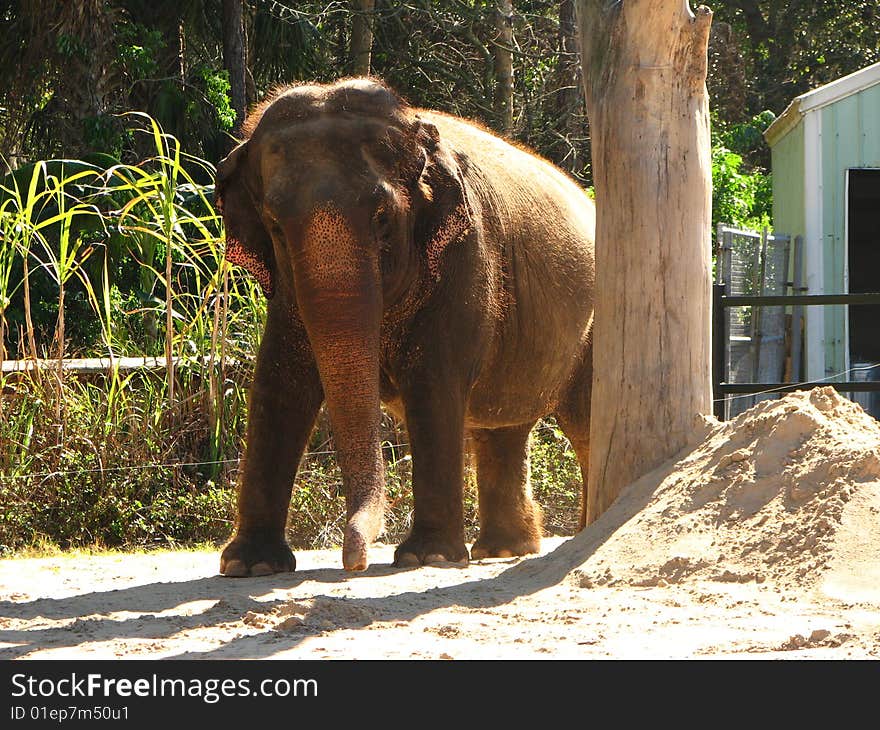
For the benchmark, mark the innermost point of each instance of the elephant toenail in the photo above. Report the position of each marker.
(407, 560)
(235, 569)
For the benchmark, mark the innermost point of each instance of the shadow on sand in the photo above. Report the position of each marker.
(157, 616)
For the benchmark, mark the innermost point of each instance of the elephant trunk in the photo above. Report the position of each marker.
(339, 295)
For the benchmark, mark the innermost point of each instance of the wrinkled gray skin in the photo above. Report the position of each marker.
(413, 259)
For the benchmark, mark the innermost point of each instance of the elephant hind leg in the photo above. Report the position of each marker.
(573, 415)
(510, 521)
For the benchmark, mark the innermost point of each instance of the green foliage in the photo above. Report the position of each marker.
(556, 478)
(139, 49)
(747, 138)
(71, 66)
(69, 46)
(739, 198)
(741, 191)
(216, 91)
(112, 480)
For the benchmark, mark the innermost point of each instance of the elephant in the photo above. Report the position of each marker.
(413, 259)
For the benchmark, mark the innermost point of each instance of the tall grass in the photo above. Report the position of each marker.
(126, 457)
(150, 456)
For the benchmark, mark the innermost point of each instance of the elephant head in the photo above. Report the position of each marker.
(341, 202)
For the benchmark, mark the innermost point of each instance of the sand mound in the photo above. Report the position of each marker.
(787, 492)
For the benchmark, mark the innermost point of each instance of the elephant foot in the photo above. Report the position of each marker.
(501, 546)
(427, 548)
(354, 549)
(362, 528)
(244, 557)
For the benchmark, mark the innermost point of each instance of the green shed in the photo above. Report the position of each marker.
(826, 188)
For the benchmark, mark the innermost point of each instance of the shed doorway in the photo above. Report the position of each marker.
(863, 259)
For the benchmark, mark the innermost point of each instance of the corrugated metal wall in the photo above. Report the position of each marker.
(788, 182)
(850, 138)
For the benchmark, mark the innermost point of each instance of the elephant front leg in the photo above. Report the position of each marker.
(435, 425)
(284, 401)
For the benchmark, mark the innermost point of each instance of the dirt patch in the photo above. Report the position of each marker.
(761, 539)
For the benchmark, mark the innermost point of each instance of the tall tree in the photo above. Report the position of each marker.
(503, 52)
(234, 58)
(645, 85)
(568, 91)
(362, 36)
(568, 73)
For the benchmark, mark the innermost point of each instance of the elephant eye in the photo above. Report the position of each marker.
(272, 225)
(270, 222)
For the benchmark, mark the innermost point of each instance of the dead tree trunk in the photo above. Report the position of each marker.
(234, 58)
(644, 66)
(503, 52)
(362, 36)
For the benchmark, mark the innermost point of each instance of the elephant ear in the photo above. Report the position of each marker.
(248, 244)
(448, 214)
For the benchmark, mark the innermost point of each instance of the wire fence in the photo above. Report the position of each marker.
(787, 387)
(181, 464)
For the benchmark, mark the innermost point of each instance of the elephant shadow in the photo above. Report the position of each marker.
(156, 611)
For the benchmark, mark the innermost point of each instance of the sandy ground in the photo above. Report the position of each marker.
(759, 540)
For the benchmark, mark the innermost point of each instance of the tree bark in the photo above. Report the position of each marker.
(502, 48)
(362, 36)
(234, 58)
(645, 85)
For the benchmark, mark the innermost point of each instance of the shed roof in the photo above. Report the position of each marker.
(823, 96)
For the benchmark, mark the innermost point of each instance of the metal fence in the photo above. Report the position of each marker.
(757, 322)
(755, 264)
